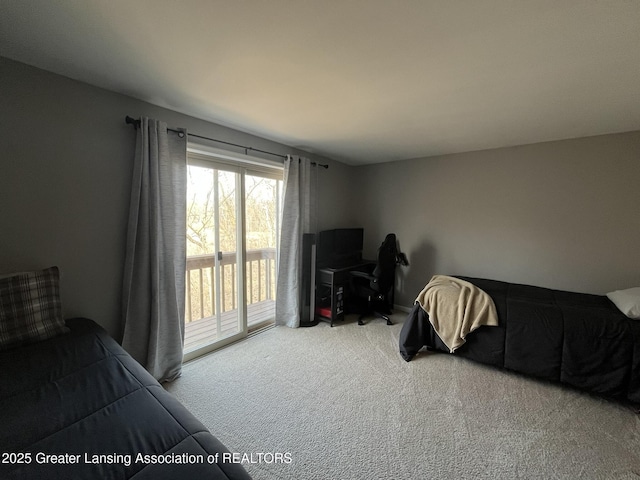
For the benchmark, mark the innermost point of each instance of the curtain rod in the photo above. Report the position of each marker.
(136, 123)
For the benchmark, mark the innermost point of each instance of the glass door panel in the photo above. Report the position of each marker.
(212, 311)
(262, 220)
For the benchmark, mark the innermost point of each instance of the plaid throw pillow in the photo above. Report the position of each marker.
(30, 308)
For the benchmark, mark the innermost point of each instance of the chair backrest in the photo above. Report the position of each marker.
(386, 267)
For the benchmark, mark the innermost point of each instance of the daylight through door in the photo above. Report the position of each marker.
(233, 216)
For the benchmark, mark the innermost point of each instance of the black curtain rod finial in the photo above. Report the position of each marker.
(132, 121)
(316, 164)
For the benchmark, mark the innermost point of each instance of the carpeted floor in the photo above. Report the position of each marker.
(344, 405)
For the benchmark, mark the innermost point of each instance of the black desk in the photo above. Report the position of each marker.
(332, 286)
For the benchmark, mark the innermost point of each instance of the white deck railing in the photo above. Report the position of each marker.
(201, 298)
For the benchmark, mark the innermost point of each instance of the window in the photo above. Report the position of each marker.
(233, 230)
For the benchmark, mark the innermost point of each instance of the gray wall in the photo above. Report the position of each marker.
(559, 214)
(65, 174)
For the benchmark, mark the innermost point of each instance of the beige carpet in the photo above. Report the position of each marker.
(344, 405)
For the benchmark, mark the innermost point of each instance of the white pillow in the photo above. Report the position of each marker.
(627, 301)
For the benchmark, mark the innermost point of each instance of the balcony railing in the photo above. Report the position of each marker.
(201, 299)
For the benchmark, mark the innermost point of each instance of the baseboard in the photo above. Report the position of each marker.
(402, 308)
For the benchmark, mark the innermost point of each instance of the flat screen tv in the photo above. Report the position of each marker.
(339, 247)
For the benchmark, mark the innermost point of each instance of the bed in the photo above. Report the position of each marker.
(74, 404)
(581, 340)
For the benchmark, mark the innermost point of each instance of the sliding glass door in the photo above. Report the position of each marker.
(262, 207)
(232, 233)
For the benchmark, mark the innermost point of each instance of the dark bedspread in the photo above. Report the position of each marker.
(579, 339)
(81, 394)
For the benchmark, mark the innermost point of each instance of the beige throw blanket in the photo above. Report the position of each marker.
(456, 308)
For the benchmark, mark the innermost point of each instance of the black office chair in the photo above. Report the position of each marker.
(377, 286)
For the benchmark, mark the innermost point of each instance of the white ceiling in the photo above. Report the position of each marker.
(360, 81)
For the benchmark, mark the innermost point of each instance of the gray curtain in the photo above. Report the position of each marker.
(298, 217)
(154, 272)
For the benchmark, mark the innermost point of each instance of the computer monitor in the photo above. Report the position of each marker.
(339, 247)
